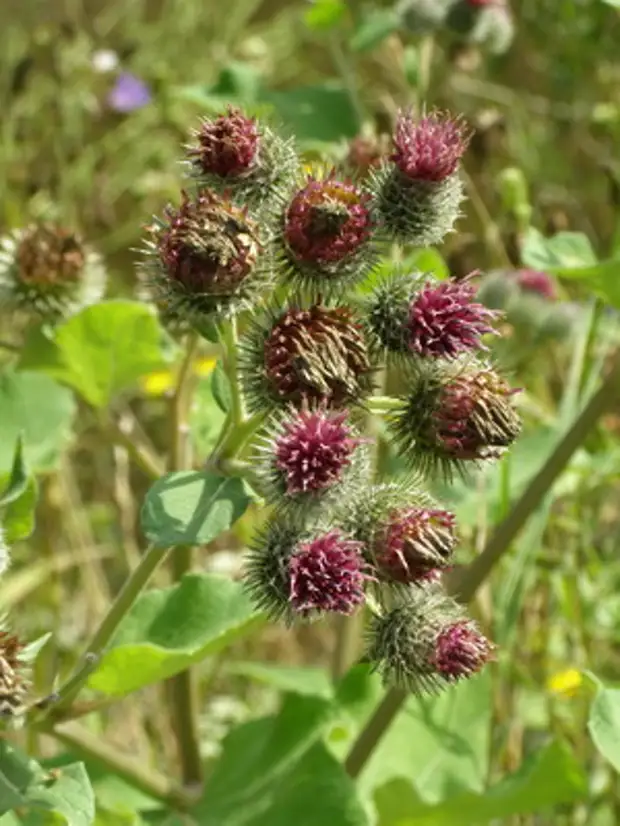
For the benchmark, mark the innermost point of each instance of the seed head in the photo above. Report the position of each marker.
(206, 257)
(451, 419)
(413, 543)
(429, 149)
(13, 687)
(313, 356)
(444, 321)
(227, 146)
(47, 271)
(460, 651)
(326, 234)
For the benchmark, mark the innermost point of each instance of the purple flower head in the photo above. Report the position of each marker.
(415, 544)
(444, 320)
(128, 93)
(313, 450)
(536, 282)
(429, 149)
(227, 146)
(461, 651)
(327, 574)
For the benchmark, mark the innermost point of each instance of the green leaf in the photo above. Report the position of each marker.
(374, 28)
(169, 629)
(67, 793)
(563, 251)
(18, 518)
(550, 777)
(615, 4)
(427, 260)
(39, 409)
(31, 651)
(220, 387)
(313, 682)
(604, 724)
(206, 417)
(324, 15)
(273, 772)
(18, 477)
(191, 508)
(17, 772)
(322, 113)
(101, 350)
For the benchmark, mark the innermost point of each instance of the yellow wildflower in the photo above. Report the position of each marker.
(566, 682)
(162, 381)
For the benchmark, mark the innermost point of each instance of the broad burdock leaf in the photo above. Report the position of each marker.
(169, 629)
(41, 411)
(101, 351)
(192, 508)
(604, 724)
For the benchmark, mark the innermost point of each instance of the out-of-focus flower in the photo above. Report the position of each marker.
(160, 382)
(565, 683)
(128, 93)
(536, 282)
(104, 61)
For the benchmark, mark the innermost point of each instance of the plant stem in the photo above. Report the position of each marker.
(140, 453)
(133, 771)
(102, 636)
(182, 687)
(383, 404)
(229, 337)
(472, 578)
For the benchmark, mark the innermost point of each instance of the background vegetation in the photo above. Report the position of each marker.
(543, 177)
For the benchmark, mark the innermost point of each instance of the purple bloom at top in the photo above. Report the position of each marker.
(128, 93)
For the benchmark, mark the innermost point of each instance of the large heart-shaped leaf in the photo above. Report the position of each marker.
(101, 350)
(37, 409)
(169, 629)
(604, 724)
(191, 508)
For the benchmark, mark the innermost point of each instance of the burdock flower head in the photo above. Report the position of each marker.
(419, 192)
(312, 457)
(236, 153)
(296, 574)
(431, 319)
(537, 282)
(407, 538)
(425, 643)
(13, 684)
(203, 258)
(326, 234)
(453, 417)
(314, 355)
(47, 271)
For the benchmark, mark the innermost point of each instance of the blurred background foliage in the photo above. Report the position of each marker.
(547, 110)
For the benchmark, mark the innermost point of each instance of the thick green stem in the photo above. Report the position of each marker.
(182, 687)
(229, 338)
(102, 636)
(465, 587)
(141, 454)
(153, 784)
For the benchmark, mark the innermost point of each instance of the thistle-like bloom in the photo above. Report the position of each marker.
(326, 233)
(429, 149)
(314, 356)
(13, 686)
(455, 418)
(435, 319)
(425, 643)
(412, 543)
(461, 651)
(327, 574)
(47, 271)
(233, 153)
(294, 574)
(537, 282)
(227, 146)
(204, 257)
(418, 194)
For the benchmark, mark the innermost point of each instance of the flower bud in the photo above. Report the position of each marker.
(296, 574)
(326, 234)
(537, 282)
(311, 459)
(306, 356)
(428, 318)
(406, 536)
(425, 643)
(47, 271)
(13, 685)
(205, 258)
(239, 155)
(419, 193)
(453, 417)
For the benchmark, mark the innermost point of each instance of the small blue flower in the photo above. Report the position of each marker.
(128, 93)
